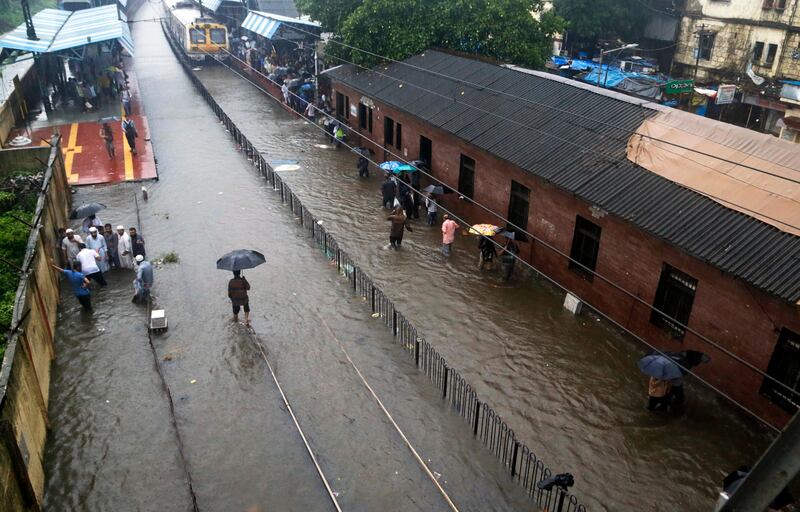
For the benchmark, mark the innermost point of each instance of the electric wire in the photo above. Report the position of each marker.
(617, 324)
(537, 103)
(608, 281)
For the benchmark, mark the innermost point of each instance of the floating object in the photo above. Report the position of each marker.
(287, 167)
(323, 146)
(192, 381)
(158, 320)
(197, 69)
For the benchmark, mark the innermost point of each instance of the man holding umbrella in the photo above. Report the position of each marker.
(236, 261)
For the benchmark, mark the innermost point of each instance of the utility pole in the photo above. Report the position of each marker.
(26, 12)
(697, 55)
(774, 470)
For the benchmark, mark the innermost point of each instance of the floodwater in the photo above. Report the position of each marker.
(113, 445)
(568, 386)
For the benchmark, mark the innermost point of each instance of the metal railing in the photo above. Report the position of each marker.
(486, 425)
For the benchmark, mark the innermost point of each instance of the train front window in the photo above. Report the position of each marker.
(198, 36)
(218, 35)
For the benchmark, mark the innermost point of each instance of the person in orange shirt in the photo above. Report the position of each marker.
(449, 227)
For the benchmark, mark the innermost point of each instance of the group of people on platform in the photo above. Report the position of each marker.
(91, 256)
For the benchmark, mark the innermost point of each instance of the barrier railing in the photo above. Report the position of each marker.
(486, 424)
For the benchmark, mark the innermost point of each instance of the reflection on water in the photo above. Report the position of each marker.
(567, 385)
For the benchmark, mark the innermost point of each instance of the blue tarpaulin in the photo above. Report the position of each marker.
(267, 24)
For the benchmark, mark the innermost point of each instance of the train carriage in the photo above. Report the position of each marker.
(201, 37)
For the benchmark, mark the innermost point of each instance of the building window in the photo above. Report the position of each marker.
(426, 151)
(347, 107)
(780, 5)
(774, 4)
(674, 297)
(706, 46)
(398, 135)
(365, 117)
(758, 51)
(784, 366)
(388, 131)
(339, 105)
(466, 177)
(518, 206)
(585, 247)
(772, 50)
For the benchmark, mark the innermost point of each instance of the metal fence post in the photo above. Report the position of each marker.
(514, 458)
(444, 381)
(416, 352)
(477, 413)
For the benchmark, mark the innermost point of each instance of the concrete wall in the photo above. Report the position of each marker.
(25, 371)
(730, 312)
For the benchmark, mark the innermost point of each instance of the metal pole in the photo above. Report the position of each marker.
(774, 470)
(600, 69)
(26, 13)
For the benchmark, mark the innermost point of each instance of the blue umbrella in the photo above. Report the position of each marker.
(397, 167)
(660, 367)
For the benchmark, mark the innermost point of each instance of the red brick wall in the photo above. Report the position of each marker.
(731, 313)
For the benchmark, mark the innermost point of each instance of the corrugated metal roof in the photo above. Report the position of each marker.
(583, 156)
(59, 30)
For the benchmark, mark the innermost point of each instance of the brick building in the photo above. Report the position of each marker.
(551, 155)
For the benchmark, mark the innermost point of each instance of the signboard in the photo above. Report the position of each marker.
(725, 94)
(678, 86)
(353, 110)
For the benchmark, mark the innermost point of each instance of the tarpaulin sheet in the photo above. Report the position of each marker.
(750, 172)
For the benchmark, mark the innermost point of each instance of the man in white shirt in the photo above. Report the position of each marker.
(71, 246)
(88, 259)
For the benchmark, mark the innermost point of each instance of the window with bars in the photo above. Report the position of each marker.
(365, 117)
(585, 247)
(758, 51)
(674, 298)
(706, 45)
(784, 366)
(772, 51)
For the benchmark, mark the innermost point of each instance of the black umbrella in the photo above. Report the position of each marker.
(509, 234)
(434, 189)
(240, 259)
(85, 210)
(688, 358)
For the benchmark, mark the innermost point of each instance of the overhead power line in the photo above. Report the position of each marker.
(559, 285)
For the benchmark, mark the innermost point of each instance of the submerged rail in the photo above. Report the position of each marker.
(486, 425)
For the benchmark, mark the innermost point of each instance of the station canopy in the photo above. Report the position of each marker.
(59, 30)
(267, 24)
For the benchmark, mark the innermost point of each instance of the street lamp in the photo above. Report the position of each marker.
(603, 52)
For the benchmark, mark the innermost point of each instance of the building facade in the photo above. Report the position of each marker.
(549, 156)
(753, 44)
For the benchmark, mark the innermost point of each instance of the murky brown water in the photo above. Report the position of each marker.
(112, 445)
(568, 386)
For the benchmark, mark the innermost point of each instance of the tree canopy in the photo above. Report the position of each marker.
(593, 19)
(512, 30)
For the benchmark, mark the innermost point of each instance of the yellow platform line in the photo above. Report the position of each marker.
(70, 151)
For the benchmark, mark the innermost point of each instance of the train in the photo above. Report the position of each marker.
(201, 36)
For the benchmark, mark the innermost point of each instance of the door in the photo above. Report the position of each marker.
(425, 150)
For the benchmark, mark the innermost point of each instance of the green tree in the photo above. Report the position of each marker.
(330, 13)
(593, 19)
(503, 29)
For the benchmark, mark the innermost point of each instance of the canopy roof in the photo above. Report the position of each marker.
(267, 24)
(59, 30)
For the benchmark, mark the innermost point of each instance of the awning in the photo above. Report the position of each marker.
(267, 24)
(59, 30)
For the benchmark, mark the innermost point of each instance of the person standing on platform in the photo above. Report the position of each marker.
(108, 138)
(129, 129)
(126, 102)
(124, 249)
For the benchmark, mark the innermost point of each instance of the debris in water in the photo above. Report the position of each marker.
(375, 315)
(197, 68)
(220, 193)
(108, 401)
(319, 222)
(437, 475)
(101, 329)
(192, 381)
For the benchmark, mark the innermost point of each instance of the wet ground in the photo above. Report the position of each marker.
(568, 386)
(112, 444)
